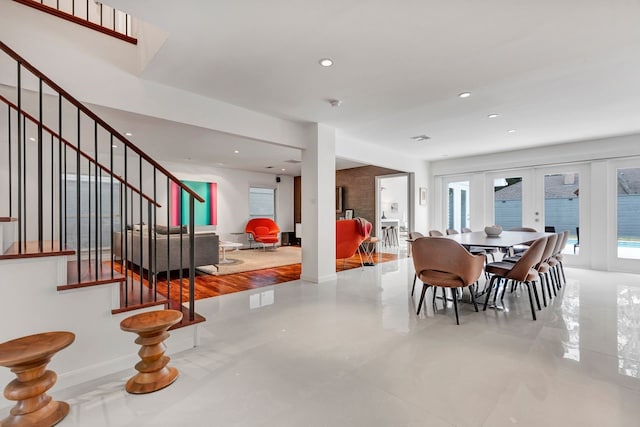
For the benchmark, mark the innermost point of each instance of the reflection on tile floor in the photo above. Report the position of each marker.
(353, 353)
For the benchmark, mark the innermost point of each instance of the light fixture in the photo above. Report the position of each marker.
(335, 102)
(464, 95)
(493, 115)
(236, 151)
(420, 138)
(32, 139)
(511, 131)
(128, 134)
(326, 62)
(283, 169)
(114, 146)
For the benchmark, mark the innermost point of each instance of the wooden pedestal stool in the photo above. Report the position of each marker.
(153, 372)
(27, 357)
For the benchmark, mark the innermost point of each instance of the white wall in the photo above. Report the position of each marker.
(363, 152)
(43, 40)
(233, 194)
(33, 305)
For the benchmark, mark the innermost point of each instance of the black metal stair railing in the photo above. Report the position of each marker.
(74, 182)
(89, 13)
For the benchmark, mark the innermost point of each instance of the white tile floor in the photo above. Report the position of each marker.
(353, 353)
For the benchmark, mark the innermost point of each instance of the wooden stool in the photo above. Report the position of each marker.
(27, 357)
(153, 372)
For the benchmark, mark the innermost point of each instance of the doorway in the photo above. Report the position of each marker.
(393, 211)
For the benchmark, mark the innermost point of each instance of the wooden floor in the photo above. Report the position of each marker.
(210, 286)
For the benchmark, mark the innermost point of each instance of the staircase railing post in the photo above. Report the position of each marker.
(192, 257)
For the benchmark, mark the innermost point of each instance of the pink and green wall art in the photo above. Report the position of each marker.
(205, 213)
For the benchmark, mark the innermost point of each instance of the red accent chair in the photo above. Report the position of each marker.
(349, 236)
(263, 230)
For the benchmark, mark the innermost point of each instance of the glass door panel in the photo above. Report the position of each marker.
(458, 201)
(562, 207)
(628, 206)
(507, 202)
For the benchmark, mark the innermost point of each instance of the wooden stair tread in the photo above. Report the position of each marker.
(7, 219)
(88, 276)
(31, 249)
(185, 317)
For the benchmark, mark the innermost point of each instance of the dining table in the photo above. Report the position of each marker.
(506, 239)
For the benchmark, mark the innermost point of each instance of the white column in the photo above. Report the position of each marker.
(318, 205)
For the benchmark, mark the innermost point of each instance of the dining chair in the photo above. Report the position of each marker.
(478, 249)
(555, 261)
(413, 235)
(520, 248)
(435, 233)
(577, 244)
(451, 231)
(522, 271)
(447, 264)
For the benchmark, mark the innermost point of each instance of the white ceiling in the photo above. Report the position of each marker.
(554, 71)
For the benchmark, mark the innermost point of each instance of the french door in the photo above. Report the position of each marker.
(623, 242)
(561, 204)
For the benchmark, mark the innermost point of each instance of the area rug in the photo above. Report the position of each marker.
(255, 259)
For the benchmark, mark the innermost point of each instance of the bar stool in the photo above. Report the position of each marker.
(27, 357)
(153, 372)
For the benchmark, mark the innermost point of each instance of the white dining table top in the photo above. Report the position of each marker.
(506, 239)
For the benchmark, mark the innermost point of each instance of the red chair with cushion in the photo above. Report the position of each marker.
(263, 230)
(350, 233)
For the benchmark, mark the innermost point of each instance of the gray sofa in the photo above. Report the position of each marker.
(206, 249)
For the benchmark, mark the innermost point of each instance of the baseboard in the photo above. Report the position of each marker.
(180, 340)
(321, 279)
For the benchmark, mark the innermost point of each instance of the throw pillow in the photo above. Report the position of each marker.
(163, 229)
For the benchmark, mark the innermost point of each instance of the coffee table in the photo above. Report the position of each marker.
(228, 245)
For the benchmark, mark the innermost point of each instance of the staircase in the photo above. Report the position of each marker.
(69, 185)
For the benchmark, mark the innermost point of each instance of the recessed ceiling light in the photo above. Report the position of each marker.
(114, 146)
(128, 134)
(493, 115)
(420, 137)
(326, 62)
(283, 169)
(335, 102)
(511, 131)
(464, 95)
(32, 139)
(236, 151)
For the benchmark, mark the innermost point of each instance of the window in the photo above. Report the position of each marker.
(88, 210)
(262, 202)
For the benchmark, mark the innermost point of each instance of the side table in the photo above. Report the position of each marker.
(27, 357)
(368, 248)
(228, 245)
(153, 372)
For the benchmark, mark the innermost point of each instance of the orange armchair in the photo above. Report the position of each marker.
(263, 230)
(350, 233)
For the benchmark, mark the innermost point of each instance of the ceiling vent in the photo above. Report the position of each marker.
(420, 138)
(295, 162)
